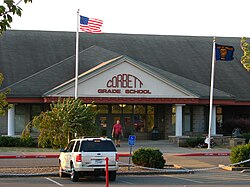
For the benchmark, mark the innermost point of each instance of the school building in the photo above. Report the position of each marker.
(146, 81)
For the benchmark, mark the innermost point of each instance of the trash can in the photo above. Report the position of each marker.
(236, 133)
(155, 134)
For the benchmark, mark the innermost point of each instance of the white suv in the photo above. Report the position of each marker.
(86, 156)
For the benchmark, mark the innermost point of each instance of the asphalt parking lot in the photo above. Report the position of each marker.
(211, 178)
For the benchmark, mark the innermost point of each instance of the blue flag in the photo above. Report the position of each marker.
(224, 52)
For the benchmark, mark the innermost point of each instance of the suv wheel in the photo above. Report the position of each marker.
(112, 175)
(74, 176)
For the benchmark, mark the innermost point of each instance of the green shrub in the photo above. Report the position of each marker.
(8, 141)
(240, 153)
(194, 141)
(148, 157)
(28, 142)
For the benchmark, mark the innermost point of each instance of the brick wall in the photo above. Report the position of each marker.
(198, 119)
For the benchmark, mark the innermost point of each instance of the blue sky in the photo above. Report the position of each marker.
(165, 17)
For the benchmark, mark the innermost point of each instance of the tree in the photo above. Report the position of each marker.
(64, 119)
(245, 59)
(3, 102)
(8, 9)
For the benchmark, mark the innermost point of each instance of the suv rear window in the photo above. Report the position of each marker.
(97, 146)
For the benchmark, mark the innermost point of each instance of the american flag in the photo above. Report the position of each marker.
(91, 25)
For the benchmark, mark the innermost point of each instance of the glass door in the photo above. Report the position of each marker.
(128, 126)
(102, 123)
(114, 119)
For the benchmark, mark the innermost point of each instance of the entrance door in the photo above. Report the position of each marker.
(114, 118)
(103, 125)
(127, 124)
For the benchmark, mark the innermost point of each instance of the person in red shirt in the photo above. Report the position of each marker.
(117, 133)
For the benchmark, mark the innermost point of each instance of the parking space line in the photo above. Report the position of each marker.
(57, 183)
(130, 183)
(185, 179)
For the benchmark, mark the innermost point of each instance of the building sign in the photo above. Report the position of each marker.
(124, 84)
(109, 82)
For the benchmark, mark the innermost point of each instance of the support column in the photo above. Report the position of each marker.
(213, 124)
(178, 124)
(11, 121)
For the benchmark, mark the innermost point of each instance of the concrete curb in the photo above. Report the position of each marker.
(232, 168)
(119, 155)
(53, 174)
(203, 154)
(45, 156)
(27, 156)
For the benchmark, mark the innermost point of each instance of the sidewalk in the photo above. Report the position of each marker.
(191, 158)
(167, 147)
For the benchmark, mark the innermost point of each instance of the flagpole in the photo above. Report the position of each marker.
(77, 48)
(211, 96)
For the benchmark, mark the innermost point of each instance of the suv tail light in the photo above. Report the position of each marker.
(116, 157)
(79, 158)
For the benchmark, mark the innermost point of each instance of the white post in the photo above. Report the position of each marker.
(11, 121)
(213, 127)
(77, 48)
(211, 95)
(178, 124)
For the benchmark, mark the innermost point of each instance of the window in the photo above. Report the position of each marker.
(173, 118)
(187, 119)
(116, 109)
(219, 118)
(70, 146)
(20, 120)
(139, 118)
(103, 109)
(139, 109)
(97, 146)
(127, 109)
(103, 125)
(77, 146)
(35, 111)
(150, 118)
